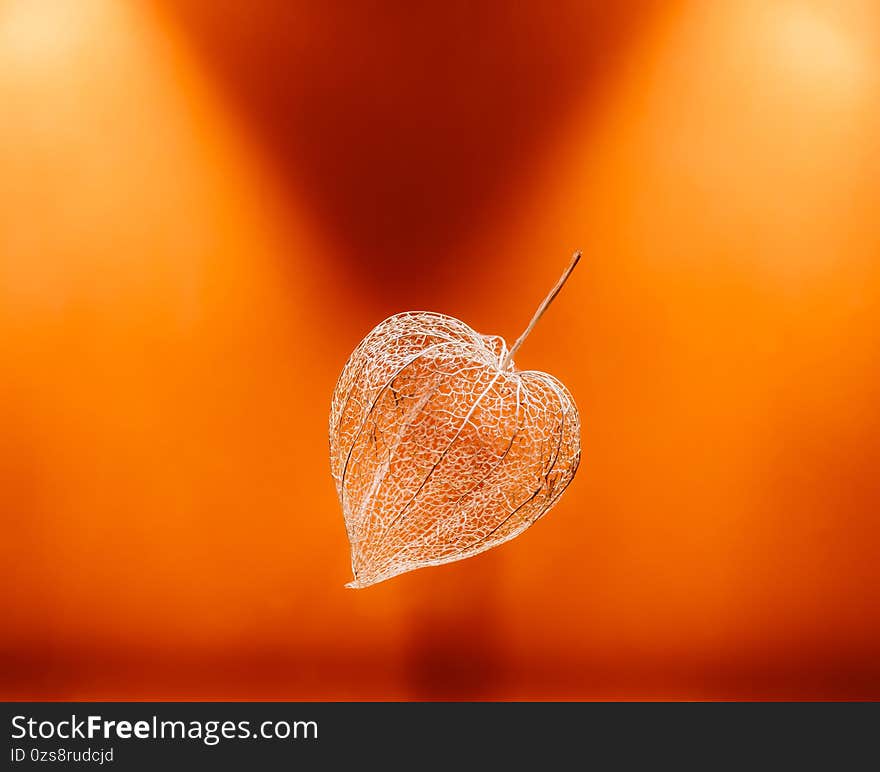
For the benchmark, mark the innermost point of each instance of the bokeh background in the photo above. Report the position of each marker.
(204, 205)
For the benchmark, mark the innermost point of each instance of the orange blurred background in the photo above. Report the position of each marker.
(205, 205)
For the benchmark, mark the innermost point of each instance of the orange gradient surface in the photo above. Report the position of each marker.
(205, 206)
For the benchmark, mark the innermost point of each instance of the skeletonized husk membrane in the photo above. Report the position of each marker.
(439, 454)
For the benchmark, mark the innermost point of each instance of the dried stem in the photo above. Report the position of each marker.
(541, 309)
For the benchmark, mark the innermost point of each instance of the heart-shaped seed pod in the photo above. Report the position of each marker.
(440, 448)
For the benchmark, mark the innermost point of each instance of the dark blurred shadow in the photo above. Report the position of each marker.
(405, 127)
(455, 645)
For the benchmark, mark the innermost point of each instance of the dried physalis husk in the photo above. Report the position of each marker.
(440, 448)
